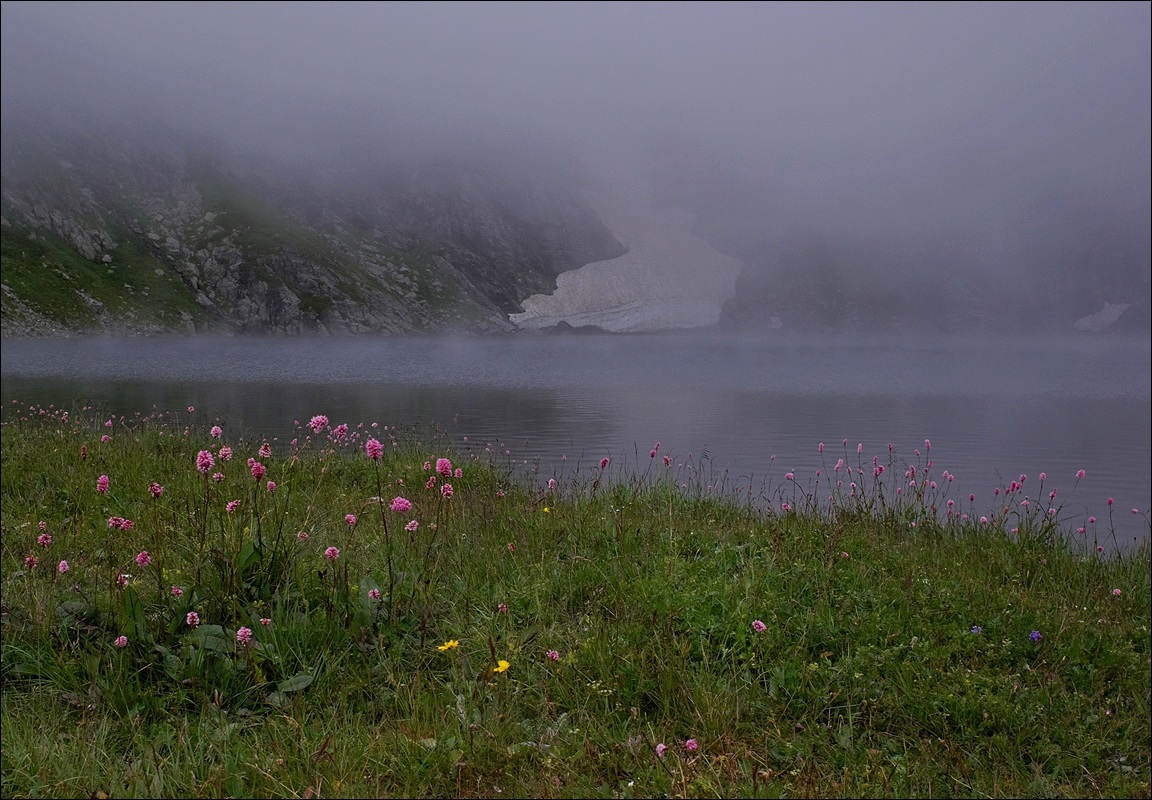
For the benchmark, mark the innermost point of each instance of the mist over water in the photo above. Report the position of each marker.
(736, 411)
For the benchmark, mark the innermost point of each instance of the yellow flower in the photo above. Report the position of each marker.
(448, 645)
(501, 666)
(546, 509)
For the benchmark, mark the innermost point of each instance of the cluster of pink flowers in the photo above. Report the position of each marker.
(318, 423)
(216, 432)
(340, 432)
(44, 540)
(244, 637)
(350, 520)
(225, 453)
(204, 461)
(373, 594)
(332, 553)
(446, 490)
(121, 524)
(62, 567)
(604, 463)
(102, 484)
(231, 506)
(155, 489)
(374, 449)
(265, 450)
(143, 559)
(401, 505)
(759, 626)
(444, 467)
(412, 526)
(256, 468)
(193, 619)
(552, 655)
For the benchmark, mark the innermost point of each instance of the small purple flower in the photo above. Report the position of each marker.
(1035, 636)
(977, 629)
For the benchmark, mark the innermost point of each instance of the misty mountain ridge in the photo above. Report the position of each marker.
(144, 230)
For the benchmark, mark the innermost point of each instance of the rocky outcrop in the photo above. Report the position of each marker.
(114, 233)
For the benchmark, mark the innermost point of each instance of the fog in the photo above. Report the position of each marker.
(971, 160)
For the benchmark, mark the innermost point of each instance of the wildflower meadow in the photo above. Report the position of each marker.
(368, 610)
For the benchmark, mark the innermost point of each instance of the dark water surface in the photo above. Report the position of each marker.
(993, 408)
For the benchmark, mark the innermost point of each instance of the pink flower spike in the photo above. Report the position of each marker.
(373, 594)
(660, 748)
(62, 568)
(759, 626)
(231, 506)
(603, 463)
(265, 621)
(374, 449)
(143, 559)
(193, 619)
(265, 450)
(332, 553)
(216, 432)
(271, 486)
(1115, 592)
(318, 423)
(121, 642)
(204, 461)
(1080, 473)
(225, 453)
(444, 467)
(244, 637)
(155, 489)
(44, 540)
(350, 519)
(102, 484)
(177, 591)
(412, 526)
(446, 490)
(691, 745)
(552, 655)
(401, 505)
(1109, 501)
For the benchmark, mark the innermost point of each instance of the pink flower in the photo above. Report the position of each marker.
(789, 476)
(551, 484)
(191, 409)
(302, 536)
(121, 524)
(603, 463)
(217, 477)
(1091, 520)
(102, 484)
(427, 465)
(62, 567)
(204, 461)
(105, 438)
(231, 506)
(350, 520)
(318, 423)
(1043, 475)
(121, 580)
(216, 432)
(31, 562)
(552, 655)
(155, 489)
(446, 490)
(244, 637)
(759, 626)
(844, 554)
(667, 461)
(1109, 501)
(121, 642)
(502, 608)
(271, 486)
(143, 559)
(1135, 511)
(821, 447)
(225, 453)
(444, 467)
(332, 553)
(83, 452)
(374, 449)
(108, 423)
(257, 469)
(44, 540)
(265, 450)
(177, 591)
(1115, 592)
(691, 745)
(459, 473)
(339, 432)
(499, 492)
(193, 619)
(373, 594)
(412, 526)
(660, 748)
(401, 505)
(265, 621)
(42, 525)
(1080, 473)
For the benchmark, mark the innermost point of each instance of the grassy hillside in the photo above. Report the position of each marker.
(369, 612)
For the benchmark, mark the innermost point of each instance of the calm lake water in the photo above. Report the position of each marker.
(747, 409)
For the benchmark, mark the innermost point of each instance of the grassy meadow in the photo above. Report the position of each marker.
(374, 612)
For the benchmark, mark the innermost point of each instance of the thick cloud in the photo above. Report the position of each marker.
(992, 130)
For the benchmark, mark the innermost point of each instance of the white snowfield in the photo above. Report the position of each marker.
(667, 279)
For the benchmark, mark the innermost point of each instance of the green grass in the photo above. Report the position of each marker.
(867, 679)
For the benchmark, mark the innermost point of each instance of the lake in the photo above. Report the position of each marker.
(740, 410)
